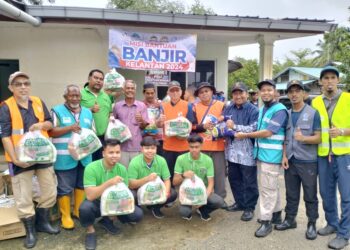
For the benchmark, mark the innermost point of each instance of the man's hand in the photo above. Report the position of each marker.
(152, 177)
(208, 126)
(285, 164)
(36, 126)
(230, 124)
(298, 135)
(188, 174)
(75, 128)
(95, 108)
(138, 117)
(22, 164)
(115, 180)
(334, 132)
(241, 135)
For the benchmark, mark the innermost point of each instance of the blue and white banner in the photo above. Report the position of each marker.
(149, 51)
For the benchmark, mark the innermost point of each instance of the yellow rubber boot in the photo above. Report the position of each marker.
(79, 196)
(64, 205)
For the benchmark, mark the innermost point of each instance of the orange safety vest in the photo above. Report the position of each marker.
(17, 121)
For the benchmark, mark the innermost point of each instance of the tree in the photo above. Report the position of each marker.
(199, 9)
(249, 74)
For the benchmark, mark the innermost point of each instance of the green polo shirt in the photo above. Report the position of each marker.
(203, 167)
(138, 168)
(101, 118)
(96, 174)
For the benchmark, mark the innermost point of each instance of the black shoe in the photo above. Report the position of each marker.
(203, 214)
(224, 205)
(30, 239)
(42, 223)
(108, 225)
(327, 230)
(234, 208)
(311, 233)
(338, 243)
(264, 230)
(286, 224)
(90, 241)
(247, 215)
(157, 213)
(276, 218)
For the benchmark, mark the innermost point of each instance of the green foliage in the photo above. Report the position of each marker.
(249, 74)
(199, 9)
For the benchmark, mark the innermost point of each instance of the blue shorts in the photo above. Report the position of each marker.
(68, 180)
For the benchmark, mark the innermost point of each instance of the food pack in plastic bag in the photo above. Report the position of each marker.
(179, 127)
(117, 130)
(117, 200)
(83, 144)
(193, 192)
(113, 80)
(36, 148)
(153, 192)
(153, 115)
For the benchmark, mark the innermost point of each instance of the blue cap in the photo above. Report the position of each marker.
(329, 69)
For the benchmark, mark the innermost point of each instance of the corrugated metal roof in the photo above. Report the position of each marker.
(283, 85)
(312, 72)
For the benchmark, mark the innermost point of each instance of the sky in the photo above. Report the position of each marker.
(336, 10)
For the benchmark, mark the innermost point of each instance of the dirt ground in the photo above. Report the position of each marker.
(224, 231)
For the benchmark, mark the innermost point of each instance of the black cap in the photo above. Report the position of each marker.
(266, 81)
(239, 86)
(329, 69)
(204, 85)
(295, 83)
(174, 84)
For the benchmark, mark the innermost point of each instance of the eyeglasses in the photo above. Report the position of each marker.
(20, 84)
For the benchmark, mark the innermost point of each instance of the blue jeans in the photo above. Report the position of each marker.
(331, 174)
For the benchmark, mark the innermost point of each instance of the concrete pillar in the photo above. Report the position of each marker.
(266, 57)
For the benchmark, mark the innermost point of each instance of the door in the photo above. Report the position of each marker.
(7, 67)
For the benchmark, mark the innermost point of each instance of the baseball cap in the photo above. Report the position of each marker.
(329, 69)
(174, 84)
(204, 85)
(266, 81)
(15, 75)
(295, 83)
(252, 91)
(239, 86)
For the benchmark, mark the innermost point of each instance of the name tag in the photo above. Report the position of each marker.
(67, 120)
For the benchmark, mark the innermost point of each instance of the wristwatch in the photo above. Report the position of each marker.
(342, 132)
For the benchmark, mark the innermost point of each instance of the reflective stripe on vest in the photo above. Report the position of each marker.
(340, 119)
(17, 121)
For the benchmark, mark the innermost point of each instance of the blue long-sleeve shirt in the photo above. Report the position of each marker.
(245, 119)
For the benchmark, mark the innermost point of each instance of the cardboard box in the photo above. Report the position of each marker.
(10, 224)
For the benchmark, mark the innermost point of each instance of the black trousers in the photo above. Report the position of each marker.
(170, 157)
(97, 155)
(297, 175)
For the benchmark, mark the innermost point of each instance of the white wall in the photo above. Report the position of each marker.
(56, 55)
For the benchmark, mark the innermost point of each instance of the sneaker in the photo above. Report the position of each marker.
(189, 217)
(204, 215)
(327, 230)
(108, 225)
(90, 241)
(157, 213)
(338, 243)
(170, 204)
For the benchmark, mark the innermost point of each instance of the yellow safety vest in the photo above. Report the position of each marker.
(17, 121)
(340, 119)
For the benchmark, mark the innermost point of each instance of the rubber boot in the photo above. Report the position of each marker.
(79, 196)
(66, 219)
(42, 223)
(30, 239)
(277, 218)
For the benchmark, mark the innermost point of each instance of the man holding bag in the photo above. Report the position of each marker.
(196, 163)
(69, 118)
(18, 115)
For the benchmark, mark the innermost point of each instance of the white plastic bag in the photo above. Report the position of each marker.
(180, 127)
(193, 192)
(113, 80)
(36, 148)
(117, 130)
(151, 193)
(117, 200)
(83, 144)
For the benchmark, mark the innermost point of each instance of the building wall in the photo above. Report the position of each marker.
(57, 55)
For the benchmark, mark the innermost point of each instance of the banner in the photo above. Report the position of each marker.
(149, 51)
(158, 77)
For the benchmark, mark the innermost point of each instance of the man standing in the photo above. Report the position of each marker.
(68, 118)
(254, 97)
(242, 171)
(268, 151)
(300, 159)
(19, 114)
(173, 146)
(100, 104)
(197, 163)
(133, 114)
(146, 167)
(334, 156)
(207, 112)
(100, 175)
